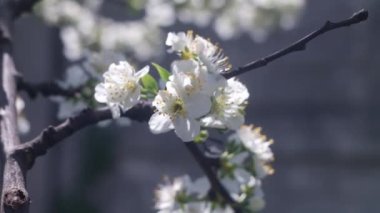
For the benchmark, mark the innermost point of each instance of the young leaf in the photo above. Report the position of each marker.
(164, 73)
(149, 83)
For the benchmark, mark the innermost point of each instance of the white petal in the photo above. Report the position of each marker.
(186, 129)
(126, 67)
(235, 122)
(198, 105)
(160, 123)
(242, 176)
(163, 101)
(200, 187)
(237, 90)
(184, 66)
(170, 87)
(115, 76)
(171, 38)
(131, 100)
(100, 93)
(142, 72)
(240, 158)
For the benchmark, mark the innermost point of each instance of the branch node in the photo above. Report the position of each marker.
(46, 134)
(361, 15)
(328, 25)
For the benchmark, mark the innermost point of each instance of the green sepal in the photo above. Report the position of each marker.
(149, 84)
(164, 73)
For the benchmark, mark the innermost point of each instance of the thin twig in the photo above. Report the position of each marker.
(299, 45)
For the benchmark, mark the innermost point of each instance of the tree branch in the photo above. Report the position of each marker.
(299, 45)
(45, 89)
(22, 6)
(54, 134)
(209, 171)
(15, 197)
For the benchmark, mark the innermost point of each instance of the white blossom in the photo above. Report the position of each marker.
(121, 88)
(259, 145)
(178, 41)
(189, 78)
(239, 180)
(256, 142)
(166, 194)
(180, 113)
(178, 195)
(228, 106)
(186, 99)
(208, 54)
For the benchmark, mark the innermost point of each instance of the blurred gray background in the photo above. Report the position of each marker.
(321, 107)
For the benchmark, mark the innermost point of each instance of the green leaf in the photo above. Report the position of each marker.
(164, 73)
(201, 137)
(149, 83)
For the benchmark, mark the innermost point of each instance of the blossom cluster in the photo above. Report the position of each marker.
(244, 163)
(184, 196)
(196, 94)
(120, 89)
